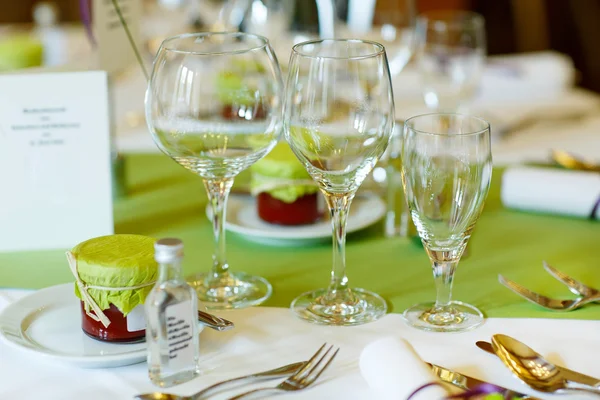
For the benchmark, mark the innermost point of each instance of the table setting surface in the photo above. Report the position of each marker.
(160, 199)
(164, 200)
(268, 337)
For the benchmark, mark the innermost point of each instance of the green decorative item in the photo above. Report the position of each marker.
(20, 52)
(115, 269)
(281, 175)
(232, 90)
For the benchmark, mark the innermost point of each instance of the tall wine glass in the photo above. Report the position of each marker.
(446, 172)
(338, 119)
(214, 105)
(451, 55)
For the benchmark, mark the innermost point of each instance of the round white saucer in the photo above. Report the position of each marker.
(47, 323)
(242, 218)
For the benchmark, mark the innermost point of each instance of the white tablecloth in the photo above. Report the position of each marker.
(270, 337)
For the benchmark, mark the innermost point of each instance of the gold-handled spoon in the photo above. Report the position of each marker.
(570, 161)
(531, 368)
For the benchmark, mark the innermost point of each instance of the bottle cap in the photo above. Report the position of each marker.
(167, 250)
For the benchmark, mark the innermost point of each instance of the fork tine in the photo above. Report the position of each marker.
(533, 297)
(314, 374)
(308, 365)
(316, 365)
(574, 286)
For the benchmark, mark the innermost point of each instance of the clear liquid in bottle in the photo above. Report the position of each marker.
(171, 320)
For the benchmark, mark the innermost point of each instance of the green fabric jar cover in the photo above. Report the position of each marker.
(281, 175)
(115, 269)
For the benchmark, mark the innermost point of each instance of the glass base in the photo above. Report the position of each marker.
(457, 317)
(355, 307)
(231, 290)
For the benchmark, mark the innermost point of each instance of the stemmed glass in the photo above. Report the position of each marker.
(391, 23)
(214, 105)
(446, 172)
(338, 120)
(450, 49)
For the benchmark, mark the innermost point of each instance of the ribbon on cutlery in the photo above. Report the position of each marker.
(92, 309)
(595, 209)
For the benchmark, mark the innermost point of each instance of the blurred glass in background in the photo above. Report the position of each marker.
(451, 56)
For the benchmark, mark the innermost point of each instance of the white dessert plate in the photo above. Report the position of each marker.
(47, 323)
(242, 218)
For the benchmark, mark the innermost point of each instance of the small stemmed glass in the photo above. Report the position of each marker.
(446, 172)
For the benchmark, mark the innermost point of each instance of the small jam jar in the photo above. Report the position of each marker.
(285, 192)
(122, 329)
(304, 210)
(119, 268)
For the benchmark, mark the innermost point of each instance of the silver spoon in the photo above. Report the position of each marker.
(531, 368)
(274, 373)
(214, 322)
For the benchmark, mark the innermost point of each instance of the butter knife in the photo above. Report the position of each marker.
(466, 382)
(568, 374)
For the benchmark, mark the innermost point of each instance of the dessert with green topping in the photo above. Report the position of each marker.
(285, 193)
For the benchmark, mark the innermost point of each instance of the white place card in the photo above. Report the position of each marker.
(55, 168)
(114, 48)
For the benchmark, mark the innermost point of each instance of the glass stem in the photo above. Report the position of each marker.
(443, 274)
(339, 207)
(218, 192)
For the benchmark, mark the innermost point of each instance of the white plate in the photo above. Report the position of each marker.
(243, 218)
(48, 324)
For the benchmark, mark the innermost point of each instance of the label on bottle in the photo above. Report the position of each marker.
(180, 335)
(136, 319)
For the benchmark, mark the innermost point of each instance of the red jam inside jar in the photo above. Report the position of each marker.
(118, 330)
(244, 112)
(305, 210)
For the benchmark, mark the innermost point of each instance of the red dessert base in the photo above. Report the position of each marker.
(238, 111)
(305, 210)
(117, 330)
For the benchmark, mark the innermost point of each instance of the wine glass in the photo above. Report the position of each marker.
(446, 172)
(213, 105)
(391, 23)
(338, 120)
(451, 56)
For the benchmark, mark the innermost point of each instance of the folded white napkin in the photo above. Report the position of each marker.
(549, 190)
(4, 301)
(394, 370)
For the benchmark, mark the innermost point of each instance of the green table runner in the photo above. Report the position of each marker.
(163, 200)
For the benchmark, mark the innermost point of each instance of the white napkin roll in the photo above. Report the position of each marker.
(549, 190)
(394, 370)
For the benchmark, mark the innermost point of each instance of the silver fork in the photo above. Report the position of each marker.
(587, 294)
(574, 286)
(305, 377)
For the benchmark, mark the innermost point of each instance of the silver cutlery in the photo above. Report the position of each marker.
(533, 369)
(273, 373)
(466, 382)
(586, 294)
(569, 374)
(306, 376)
(214, 322)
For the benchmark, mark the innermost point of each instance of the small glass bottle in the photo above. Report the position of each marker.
(171, 320)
